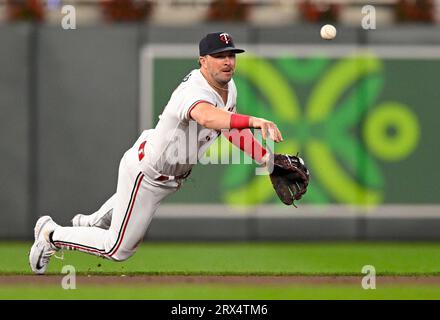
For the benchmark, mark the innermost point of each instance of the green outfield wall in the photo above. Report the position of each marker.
(365, 122)
(361, 110)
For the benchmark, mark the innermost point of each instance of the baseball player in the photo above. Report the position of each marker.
(148, 173)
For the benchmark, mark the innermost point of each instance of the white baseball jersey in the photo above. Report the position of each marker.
(139, 193)
(177, 141)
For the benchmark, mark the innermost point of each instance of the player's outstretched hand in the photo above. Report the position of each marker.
(267, 127)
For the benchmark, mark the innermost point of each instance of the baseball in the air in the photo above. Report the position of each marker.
(328, 32)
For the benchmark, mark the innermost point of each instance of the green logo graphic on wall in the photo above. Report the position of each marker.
(331, 113)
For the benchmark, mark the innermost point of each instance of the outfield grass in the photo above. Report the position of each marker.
(235, 258)
(245, 258)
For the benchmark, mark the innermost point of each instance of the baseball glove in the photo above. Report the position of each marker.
(290, 177)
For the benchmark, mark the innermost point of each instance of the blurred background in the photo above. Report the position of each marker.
(361, 110)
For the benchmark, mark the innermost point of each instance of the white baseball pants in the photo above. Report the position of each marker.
(133, 206)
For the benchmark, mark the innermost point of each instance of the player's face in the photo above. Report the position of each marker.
(221, 66)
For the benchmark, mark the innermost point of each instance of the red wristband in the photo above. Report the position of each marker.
(239, 121)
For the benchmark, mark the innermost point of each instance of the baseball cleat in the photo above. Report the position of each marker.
(42, 250)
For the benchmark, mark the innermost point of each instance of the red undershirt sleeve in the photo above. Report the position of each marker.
(245, 140)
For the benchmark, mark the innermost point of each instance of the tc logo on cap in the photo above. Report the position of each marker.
(217, 42)
(224, 37)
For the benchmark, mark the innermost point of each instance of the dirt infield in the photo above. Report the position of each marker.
(145, 280)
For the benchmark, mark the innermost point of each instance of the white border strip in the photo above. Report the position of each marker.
(334, 51)
(146, 87)
(214, 211)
